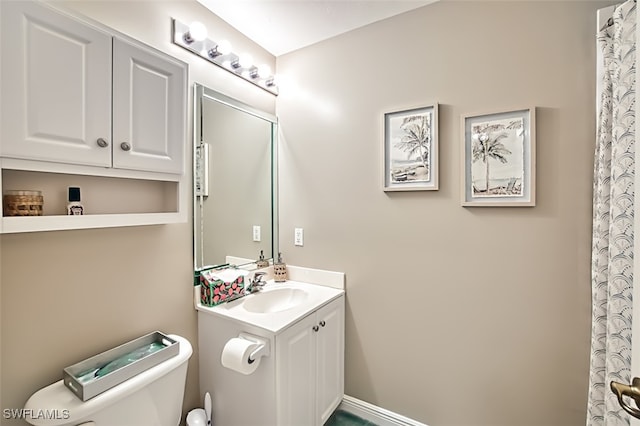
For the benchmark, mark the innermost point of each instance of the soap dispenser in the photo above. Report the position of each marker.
(279, 270)
(262, 263)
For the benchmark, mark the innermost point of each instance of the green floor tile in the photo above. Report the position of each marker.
(343, 418)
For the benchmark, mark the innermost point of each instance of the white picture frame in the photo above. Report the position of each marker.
(410, 149)
(498, 159)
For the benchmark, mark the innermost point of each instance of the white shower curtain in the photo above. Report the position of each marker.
(612, 245)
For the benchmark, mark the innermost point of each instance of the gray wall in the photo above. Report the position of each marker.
(455, 316)
(69, 295)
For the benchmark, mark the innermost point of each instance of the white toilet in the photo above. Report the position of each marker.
(151, 398)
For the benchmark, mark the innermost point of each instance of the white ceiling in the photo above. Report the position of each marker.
(281, 26)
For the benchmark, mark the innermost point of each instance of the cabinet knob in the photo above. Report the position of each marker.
(125, 146)
(316, 328)
(322, 323)
(102, 143)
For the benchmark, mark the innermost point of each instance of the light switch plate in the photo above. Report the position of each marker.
(256, 233)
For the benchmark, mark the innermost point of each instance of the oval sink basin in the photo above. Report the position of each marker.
(276, 300)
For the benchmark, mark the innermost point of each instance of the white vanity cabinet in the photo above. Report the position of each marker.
(300, 381)
(310, 367)
(83, 105)
(66, 85)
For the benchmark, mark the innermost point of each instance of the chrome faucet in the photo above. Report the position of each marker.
(256, 284)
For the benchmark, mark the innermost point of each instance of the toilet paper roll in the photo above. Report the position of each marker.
(235, 355)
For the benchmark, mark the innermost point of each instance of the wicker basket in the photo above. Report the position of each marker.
(22, 203)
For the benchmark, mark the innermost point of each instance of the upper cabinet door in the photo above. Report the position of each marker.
(56, 87)
(149, 107)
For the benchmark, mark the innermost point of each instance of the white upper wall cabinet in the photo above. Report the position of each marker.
(59, 91)
(84, 105)
(56, 87)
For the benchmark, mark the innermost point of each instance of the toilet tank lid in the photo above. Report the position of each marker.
(64, 407)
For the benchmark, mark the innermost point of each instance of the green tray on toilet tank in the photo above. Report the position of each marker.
(101, 372)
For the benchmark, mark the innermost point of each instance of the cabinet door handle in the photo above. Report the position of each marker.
(322, 323)
(125, 146)
(102, 143)
(316, 328)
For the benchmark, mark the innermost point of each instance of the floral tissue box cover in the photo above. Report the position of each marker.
(219, 286)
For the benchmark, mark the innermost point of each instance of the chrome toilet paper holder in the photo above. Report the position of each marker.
(261, 350)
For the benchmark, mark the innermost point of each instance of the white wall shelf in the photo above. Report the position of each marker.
(59, 223)
(110, 199)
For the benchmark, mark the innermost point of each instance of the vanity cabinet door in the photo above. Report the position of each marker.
(296, 374)
(330, 359)
(149, 104)
(56, 86)
(310, 367)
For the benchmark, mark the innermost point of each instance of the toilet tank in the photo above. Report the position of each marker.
(151, 398)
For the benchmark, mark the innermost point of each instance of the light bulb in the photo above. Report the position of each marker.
(264, 70)
(197, 31)
(224, 47)
(245, 60)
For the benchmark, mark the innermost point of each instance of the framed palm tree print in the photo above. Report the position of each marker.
(499, 159)
(411, 149)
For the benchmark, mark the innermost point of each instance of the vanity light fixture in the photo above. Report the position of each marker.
(194, 39)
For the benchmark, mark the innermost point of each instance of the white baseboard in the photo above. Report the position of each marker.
(375, 414)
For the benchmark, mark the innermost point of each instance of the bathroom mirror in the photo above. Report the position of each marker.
(235, 181)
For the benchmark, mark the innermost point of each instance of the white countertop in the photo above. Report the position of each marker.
(316, 296)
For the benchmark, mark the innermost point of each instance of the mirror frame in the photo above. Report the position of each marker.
(200, 93)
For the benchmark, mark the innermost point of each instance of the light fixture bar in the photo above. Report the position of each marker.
(218, 54)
